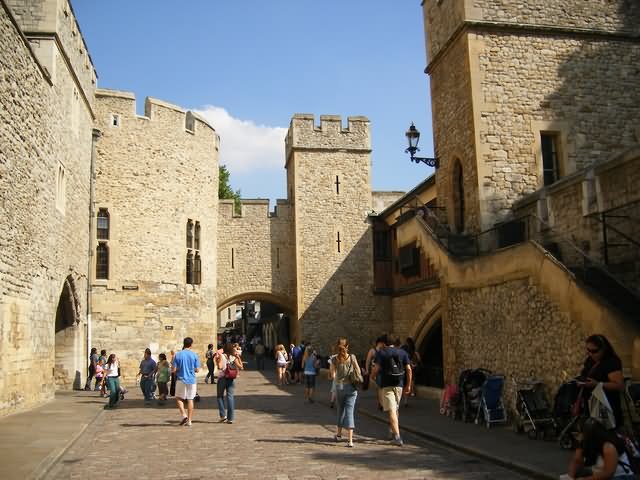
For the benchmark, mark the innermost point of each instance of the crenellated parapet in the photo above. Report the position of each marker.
(117, 109)
(304, 134)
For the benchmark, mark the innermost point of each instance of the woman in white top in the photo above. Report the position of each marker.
(112, 377)
(281, 363)
(601, 455)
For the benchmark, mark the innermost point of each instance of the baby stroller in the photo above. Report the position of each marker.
(533, 411)
(470, 393)
(569, 408)
(491, 407)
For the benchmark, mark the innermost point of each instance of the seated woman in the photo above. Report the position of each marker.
(601, 455)
(602, 365)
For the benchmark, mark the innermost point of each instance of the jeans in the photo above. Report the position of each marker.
(260, 362)
(147, 386)
(211, 369)
(228, 385)
(346, 395)
(113, 383)
(92, 372)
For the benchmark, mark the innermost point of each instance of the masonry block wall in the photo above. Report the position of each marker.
(329, 177)
(541, 68)
(256, 254)
(155, 174)
(45, 155)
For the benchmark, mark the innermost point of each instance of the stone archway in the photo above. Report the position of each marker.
(68, 373)
(428, 337)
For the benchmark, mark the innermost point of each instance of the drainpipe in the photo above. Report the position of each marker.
(95, 135)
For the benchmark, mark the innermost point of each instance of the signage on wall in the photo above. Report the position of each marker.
(168, 327)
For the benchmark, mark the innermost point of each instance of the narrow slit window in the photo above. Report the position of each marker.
(197, 270)
(196, 236)
(337, 185)
(338, 241)
(341, 294)
(278, 257)
(102, 261)
(233, 260)
(115, 120)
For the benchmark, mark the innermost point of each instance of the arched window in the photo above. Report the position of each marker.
(103, 224)
(189, 234)
(102, 261)
(190, 267)
(197, 270)
(457, 196)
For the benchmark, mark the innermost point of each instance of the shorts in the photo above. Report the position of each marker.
(185, 391)
(309, 381)
(391, 398)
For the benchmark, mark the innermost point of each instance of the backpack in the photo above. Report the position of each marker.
(231, 370)
(633, 454)
(393, 369)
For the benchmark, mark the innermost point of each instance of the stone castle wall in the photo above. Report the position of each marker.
(255, 253)
(334, 294)
(44, 230)
(412, 310)
(154, 174)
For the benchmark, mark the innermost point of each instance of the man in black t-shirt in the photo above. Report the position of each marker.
(392, 364)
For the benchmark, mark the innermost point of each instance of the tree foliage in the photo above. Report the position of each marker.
(224, 188)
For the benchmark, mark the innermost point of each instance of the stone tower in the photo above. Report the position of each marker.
(523, 95)
(154, 275)
(328, 184)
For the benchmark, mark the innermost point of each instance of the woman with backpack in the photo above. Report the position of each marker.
(228, 363)
(600, 455)
(343, 370)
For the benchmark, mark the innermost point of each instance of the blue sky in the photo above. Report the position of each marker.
(249, 65)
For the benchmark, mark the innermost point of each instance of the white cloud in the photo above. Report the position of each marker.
(244, 145)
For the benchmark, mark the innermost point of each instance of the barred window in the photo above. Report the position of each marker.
(197, 270)
(189, 233)
(190, 268)
(102, 261)
(196, 237)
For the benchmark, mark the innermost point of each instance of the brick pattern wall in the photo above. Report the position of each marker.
(39, 245)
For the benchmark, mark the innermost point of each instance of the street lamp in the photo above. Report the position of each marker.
(413, 136)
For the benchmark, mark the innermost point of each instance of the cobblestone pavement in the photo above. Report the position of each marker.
(275, 436)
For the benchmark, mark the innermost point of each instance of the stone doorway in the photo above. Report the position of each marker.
(431, 373)
(67, 372)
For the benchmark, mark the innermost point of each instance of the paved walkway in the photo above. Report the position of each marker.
(275, 436)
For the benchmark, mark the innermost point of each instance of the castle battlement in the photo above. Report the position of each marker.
(254, 209)
(123, 104)
(329, 135)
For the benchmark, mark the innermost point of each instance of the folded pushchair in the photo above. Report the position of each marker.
(470, 393)
(491, 408)
(533, 411)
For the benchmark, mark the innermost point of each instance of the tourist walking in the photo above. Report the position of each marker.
(259, 350)
(393, 365)
(172, 385)
(345, 369)
(210, 364)
(99, 375)
(185, 365)
(281, 363)
(162, 376)
(229, 363)
(112, 377)
(146, 373)
(93, 361)
(310, 365)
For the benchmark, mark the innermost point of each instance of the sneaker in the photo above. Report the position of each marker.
(337, 438)
(206, 380)
(184, 421)
(188, 424)
(350, 444)
(223, 419)
(229, 421)
(397, 441)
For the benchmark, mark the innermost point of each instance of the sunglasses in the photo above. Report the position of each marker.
(594, 350)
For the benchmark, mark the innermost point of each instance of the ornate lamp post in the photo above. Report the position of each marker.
(413, 136)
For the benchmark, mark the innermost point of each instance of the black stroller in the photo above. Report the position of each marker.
(569, 408)
(470, 393)
(534, 414)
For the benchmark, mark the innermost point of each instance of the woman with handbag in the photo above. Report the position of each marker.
(347, 375)
(229, 364)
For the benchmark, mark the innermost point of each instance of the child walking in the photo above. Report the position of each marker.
(163, 375)
(310, 364)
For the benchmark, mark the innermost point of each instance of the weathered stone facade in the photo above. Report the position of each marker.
(491, 105)
(45, 154)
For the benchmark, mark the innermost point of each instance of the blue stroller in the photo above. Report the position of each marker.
(491, 405)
